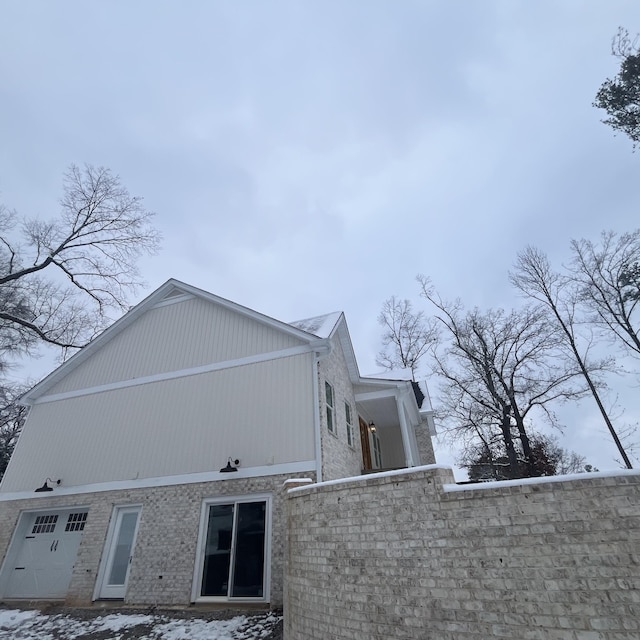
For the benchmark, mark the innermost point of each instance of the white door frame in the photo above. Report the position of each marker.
(200, 549)
(101, 590)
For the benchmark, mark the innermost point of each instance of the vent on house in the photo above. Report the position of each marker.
(173, 294)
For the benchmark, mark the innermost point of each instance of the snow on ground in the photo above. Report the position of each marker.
(17, 624)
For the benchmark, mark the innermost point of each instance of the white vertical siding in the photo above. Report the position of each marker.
(174, 337)
(260, 413)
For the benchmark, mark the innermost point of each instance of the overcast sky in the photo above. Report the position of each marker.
(312, 156)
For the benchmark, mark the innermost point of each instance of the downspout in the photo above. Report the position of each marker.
(404, 430)
(316, 416)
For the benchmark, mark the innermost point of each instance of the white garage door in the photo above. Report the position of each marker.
(40, 562)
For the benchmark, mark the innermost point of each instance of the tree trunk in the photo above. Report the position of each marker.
(508, 444)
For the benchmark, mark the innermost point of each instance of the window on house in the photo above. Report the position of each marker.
(347, 413)
(234, 550)
(44, 524)
(76, 521)
(331, 416)
(377, 451)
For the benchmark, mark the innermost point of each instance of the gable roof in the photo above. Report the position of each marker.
(321, 326)
(317, 332)
(171, 291)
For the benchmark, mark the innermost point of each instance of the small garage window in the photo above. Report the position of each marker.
(76, 521)
(44, 524)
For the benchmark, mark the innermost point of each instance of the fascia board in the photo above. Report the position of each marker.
(250, 313)
(341, 330)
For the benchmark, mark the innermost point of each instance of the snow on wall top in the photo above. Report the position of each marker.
(392, 374)
(320, 326)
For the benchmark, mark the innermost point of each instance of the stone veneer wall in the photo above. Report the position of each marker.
(339, 460)
(167, 537)
(402, 556)
(424, 441)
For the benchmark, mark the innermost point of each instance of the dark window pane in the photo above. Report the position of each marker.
(215, 575)
(248, 570)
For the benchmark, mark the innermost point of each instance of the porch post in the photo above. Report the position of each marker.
(404, 430)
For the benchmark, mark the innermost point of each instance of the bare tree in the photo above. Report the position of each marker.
(534, 277)
(407, 335)
(60, 278)
(498, 368)
(608, 277)
(489, 462)
(12, 417)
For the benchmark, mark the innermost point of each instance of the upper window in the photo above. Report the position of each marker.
(331, 416)
(347, 414)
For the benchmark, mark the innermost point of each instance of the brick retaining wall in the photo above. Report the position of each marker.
(410, 555)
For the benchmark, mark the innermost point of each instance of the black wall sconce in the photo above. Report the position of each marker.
(372, 427)
(229, 468)
(46, 487)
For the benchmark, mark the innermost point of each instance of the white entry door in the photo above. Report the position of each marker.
(44, 554)
(120, 554)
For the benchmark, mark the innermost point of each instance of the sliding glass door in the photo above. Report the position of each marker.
(234, 550)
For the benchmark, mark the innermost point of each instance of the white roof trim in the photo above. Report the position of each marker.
(302, 466)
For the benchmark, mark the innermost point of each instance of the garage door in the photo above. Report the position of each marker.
(40, 562)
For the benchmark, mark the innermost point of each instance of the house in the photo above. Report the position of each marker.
(151, 466)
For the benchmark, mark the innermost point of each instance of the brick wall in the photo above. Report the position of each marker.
(425, 444)
(411, 556)
(339, 460)
(167, 536)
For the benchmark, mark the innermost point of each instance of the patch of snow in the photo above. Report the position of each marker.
(10, 618)
(379, 474)
(392, 374)
(33, 625)
(297, 480)
(320, 326)
(119, 621)
(570, 477)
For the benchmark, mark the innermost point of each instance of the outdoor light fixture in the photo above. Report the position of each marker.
(372, 427)
(229, 468)
(45, 486)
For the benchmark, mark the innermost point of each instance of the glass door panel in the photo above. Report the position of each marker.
(116, 575)
(248, 566)
(122, 550)
(217, 555)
